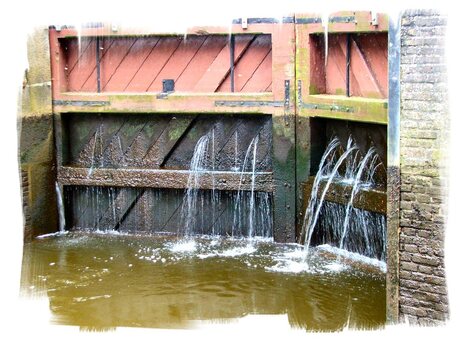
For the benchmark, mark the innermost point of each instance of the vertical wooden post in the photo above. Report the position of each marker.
(284, 172)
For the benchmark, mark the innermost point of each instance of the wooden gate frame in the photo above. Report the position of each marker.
(280, 103)
(309, 106)
(290, 104)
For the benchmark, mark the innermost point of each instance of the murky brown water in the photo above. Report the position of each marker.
(105, 281)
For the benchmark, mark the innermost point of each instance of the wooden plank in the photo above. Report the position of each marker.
(74, 50)
(111, 53)
(80, 132)
(336, 65)
(261, 80)
(83, 69)
(113, 58)
(237, 147)
(123, 139)
(156, 155)
(248, 63)
(374, 48)
(178, 61)
(131, 64)
(162, 178)
(364, 83)
(129, 103)
(166, 209)
(220, 67)
(181, 152)
(372, 200)
(118, 209)
(140, 218)
(148, 136)
(154, 63)
(200, 63)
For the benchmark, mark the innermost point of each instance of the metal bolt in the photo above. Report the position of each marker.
(288, 207)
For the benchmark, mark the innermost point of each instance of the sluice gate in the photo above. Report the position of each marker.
(131, 107)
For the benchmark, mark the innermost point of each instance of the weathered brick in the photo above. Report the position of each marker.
(425, 260)
(408, 266)
(424, 128)
(411, 248)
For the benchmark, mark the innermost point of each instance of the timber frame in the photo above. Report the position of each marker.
(279, 103)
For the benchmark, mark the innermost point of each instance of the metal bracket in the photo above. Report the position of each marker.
(299, 93)
(248, 104)
(374, 18)
(287, 84)
(330, 107)
(58, 102)
(287, 101)
(244, 23)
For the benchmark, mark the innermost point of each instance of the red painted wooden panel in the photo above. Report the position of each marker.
(83, 68)
(335, 65)
(111, 55)
(74, 50)
(178, 61)
(154, 63)
(131, 64)
(368, 65)
(201, 62)
(248, 63)
(317, 64)
(374, 48)
(220, 67)
(363, 83)
(261, 80)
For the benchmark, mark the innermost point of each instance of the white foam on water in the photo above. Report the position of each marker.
(110, 232)
(53, 234)
(335, 267)
(354, 256)
(296, 254)
(183, 246)
(209, 255)
(289, 266)
(238, 251)
(233, 252)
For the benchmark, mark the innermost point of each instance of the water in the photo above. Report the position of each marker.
(313, 218)
(346, 227)
(99, 282)
(60, 205)
(198, 166)
(356, 182)
(241, 198)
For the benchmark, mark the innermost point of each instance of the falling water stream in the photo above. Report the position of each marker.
(60, 205)
(197, 168)
(346, 227)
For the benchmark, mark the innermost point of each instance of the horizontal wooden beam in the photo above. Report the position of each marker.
(260, 103)
(255, 26)
(153, 178)
(374, 200)
(371, 110)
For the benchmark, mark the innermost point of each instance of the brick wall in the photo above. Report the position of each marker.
(423, 132)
